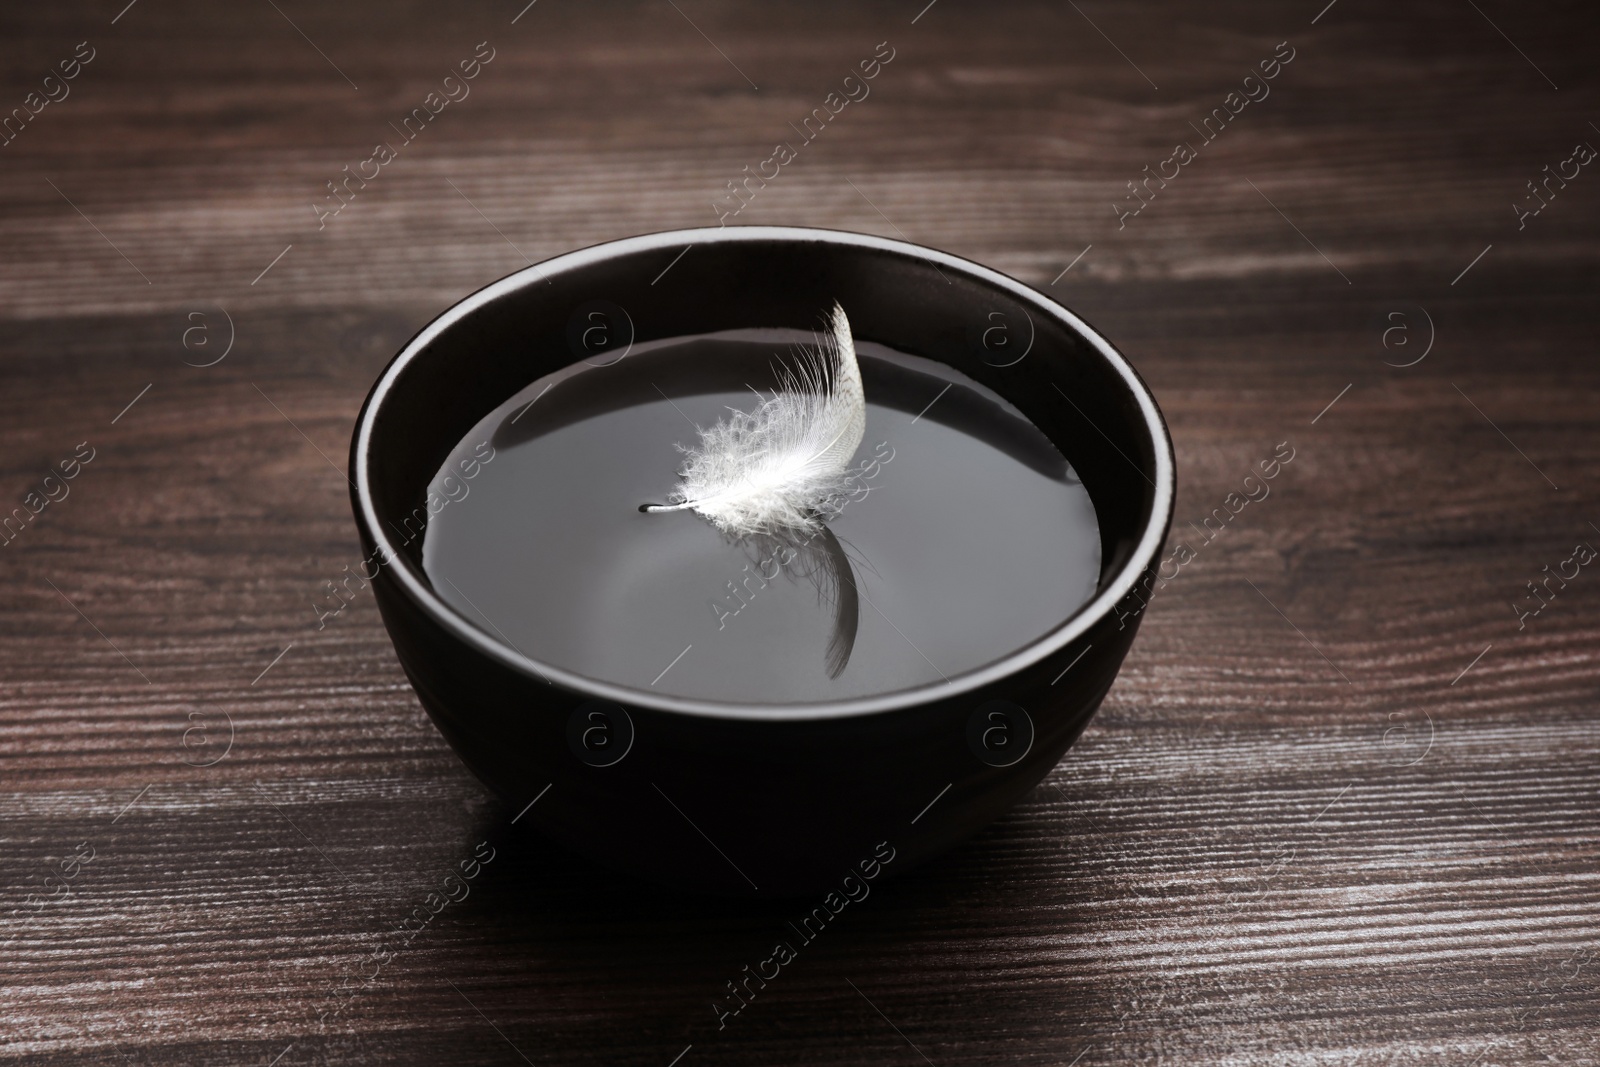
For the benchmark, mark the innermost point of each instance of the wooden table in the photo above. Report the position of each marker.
(1340, 808)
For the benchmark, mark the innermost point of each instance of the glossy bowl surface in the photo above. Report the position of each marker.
(769, 800)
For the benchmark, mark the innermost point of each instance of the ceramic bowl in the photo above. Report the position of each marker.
(772, 799)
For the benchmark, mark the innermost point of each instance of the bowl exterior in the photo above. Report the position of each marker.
(751, 808)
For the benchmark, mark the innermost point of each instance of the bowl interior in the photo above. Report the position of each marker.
(594, 303)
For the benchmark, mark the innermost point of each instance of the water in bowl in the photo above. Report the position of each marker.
(962, 536)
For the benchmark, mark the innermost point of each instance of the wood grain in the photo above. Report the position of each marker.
(1339, 809)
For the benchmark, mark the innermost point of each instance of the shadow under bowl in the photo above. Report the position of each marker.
(769, 800)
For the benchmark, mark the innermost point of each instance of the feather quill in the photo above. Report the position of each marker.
(772, 469)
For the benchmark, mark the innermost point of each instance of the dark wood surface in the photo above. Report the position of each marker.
(1339, 809)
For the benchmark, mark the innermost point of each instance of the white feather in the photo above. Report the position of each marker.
(774, 468)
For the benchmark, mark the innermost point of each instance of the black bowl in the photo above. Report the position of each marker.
(784, 799)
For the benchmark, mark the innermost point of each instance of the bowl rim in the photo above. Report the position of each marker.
(1087, 615)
